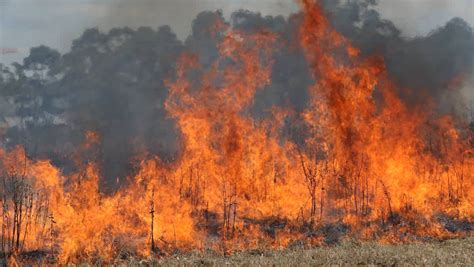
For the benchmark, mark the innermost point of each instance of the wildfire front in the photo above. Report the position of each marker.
(357, 157)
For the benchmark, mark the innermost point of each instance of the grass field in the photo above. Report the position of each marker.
(456, 252)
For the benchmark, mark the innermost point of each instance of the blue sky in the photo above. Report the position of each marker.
(27, 23)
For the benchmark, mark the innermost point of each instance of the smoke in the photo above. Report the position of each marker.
(114, 82)
(418, 18)
(423, 67)
(181, 13)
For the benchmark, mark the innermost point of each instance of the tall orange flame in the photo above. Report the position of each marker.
(381, 168)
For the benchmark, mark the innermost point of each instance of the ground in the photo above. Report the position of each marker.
(456, 252)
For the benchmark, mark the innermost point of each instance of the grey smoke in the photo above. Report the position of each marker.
(113, 82)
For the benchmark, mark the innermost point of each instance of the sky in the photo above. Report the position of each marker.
(55, 23)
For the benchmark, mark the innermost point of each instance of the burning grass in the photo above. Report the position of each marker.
(357, 163)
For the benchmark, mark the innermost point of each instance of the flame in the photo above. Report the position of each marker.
(238, 184)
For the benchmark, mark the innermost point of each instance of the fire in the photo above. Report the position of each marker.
(383, 169)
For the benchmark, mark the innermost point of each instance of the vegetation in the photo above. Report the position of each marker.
(453, 252)
(207, 167)
(456, 252)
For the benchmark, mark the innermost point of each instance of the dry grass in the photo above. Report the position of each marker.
(455, 252)
(458, 252)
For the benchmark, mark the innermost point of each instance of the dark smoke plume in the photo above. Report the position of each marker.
(113, 82)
